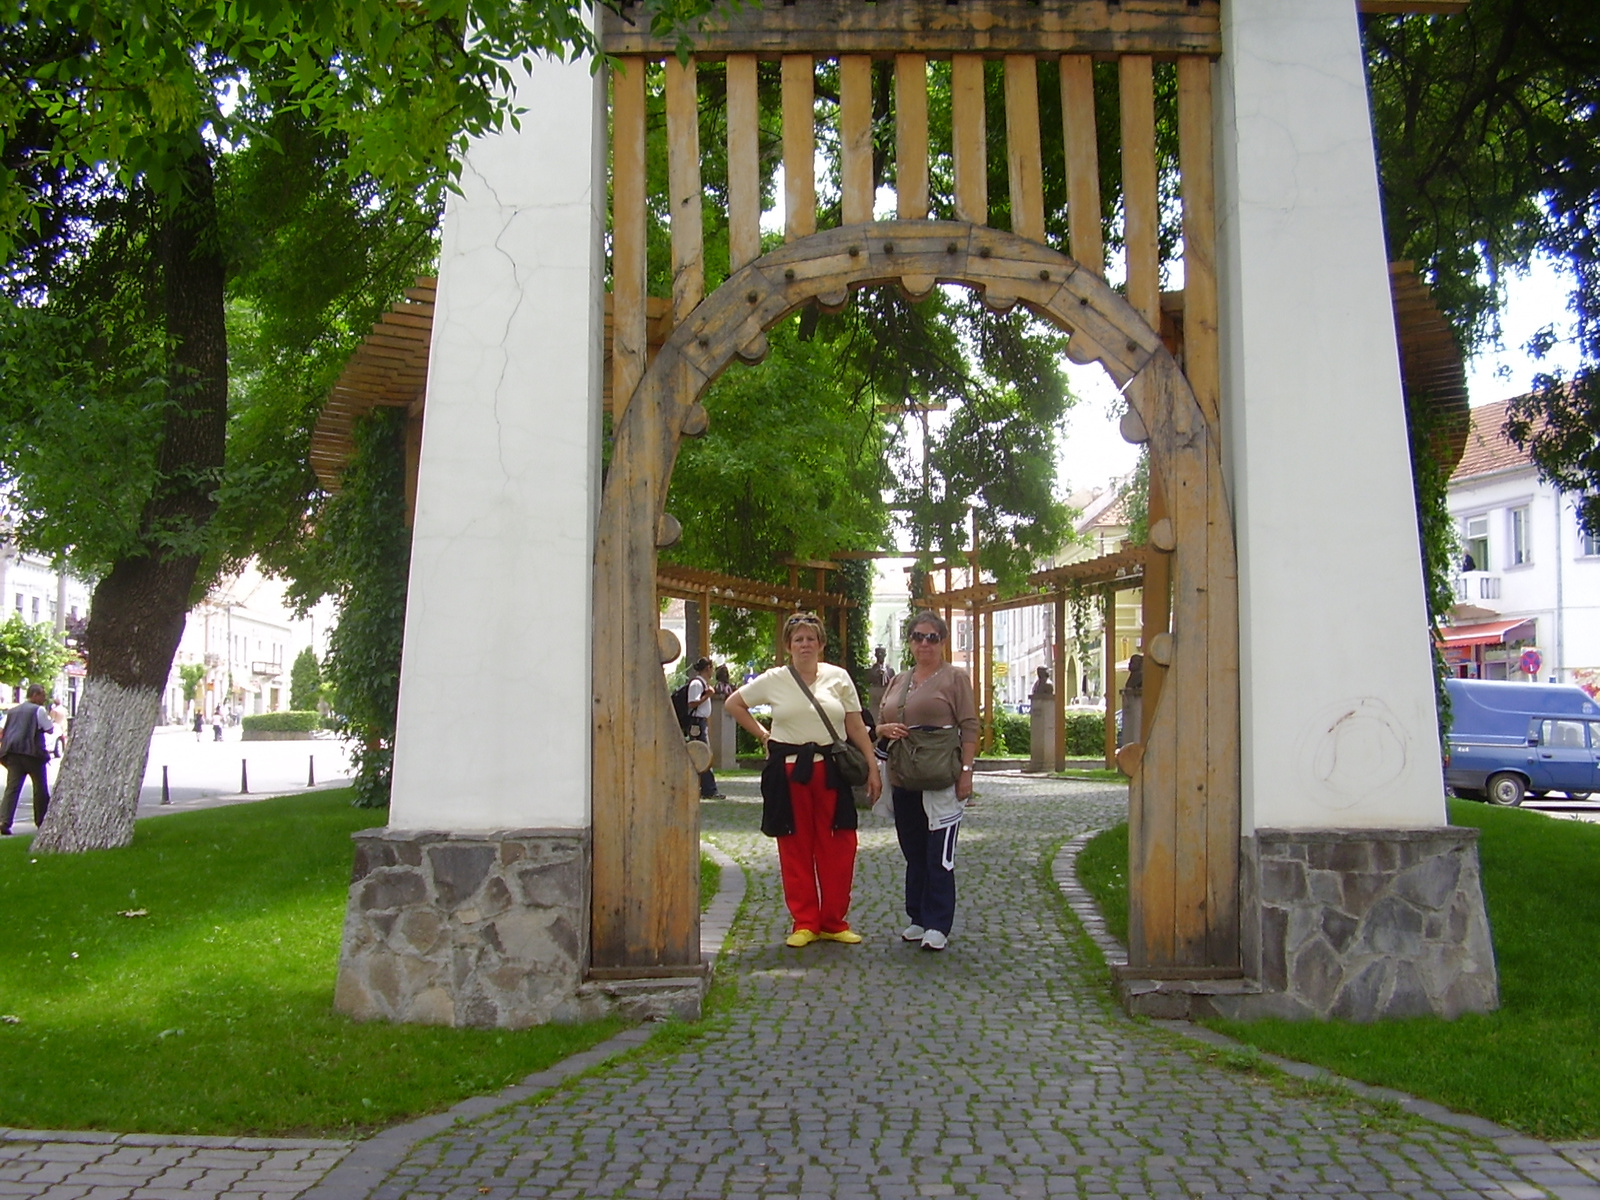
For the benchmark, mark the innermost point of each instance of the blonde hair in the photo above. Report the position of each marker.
(796, 620)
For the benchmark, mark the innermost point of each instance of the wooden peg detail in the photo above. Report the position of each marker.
(1160, 649)
(1129, 758)
(669, 531)
(668, 648)
(833, 302)
(695, 422)
(755, 350)
(1162, 536)
(917, 288)
(998, 301)
(1132, 428)
(699, 755)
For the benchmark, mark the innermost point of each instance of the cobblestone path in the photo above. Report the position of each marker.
(998, 1068)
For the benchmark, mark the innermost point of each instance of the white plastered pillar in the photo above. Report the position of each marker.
(1338, 722)
(494, 718)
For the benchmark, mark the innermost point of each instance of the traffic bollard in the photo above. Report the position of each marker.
(311, 772)
(166, 792)
(244, 777)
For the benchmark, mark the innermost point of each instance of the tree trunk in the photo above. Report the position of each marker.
(138, 610)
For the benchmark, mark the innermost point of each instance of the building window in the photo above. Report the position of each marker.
(1588, 543)
(1475, 543)
(19, 604)
(1521, 539)
(36, 610)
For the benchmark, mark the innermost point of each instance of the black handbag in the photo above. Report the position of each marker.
(851, 763)
(925, 760)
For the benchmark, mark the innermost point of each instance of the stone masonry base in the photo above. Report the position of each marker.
(1356, 924)
(488, 930)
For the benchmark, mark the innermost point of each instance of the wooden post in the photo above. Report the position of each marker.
(1201, 355)
(799, 147)
(1083, 161)
(855, 138)
(1061, 675)
(1108, 651)
(629, 266)
(684, 194)
(744, 166)
(969, 138)
(911, 136)
(988, 680)
(1023, 154)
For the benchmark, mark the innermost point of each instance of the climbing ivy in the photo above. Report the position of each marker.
(366, 551)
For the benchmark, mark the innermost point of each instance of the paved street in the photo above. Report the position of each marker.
(996, 1069)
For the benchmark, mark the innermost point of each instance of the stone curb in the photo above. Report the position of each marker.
(372, 1161)
(95, 1137)
(1569, 1171)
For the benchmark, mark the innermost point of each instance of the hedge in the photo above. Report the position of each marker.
(1086, 735)
(1013, 734)
(283, 722)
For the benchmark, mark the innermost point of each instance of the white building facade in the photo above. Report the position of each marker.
(1528, 591)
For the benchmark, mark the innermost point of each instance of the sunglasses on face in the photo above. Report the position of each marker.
(919, 637)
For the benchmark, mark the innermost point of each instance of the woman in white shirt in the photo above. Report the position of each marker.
(810, 811)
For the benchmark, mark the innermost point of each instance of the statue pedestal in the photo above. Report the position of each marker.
(1042, 733)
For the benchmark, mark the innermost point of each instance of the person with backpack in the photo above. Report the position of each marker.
(23, 751)
(697, 700)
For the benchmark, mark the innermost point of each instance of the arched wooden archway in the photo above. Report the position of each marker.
(1185, 793)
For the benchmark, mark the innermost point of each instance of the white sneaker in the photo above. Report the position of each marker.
(913, 933)
(934, 940)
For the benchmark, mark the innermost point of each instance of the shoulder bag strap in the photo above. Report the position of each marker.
(832, 732)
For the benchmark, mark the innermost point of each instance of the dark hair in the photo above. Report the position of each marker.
(804, 618)
(700, 664)
(36, 689)
(928, 617)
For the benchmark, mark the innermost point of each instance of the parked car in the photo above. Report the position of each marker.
(1509, 739)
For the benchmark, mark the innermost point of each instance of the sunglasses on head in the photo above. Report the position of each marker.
(933, 639)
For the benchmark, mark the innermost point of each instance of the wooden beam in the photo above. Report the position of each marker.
(1081, 140)
(1059, 665)
(969, 140)
(629, 257)
(1202, 353)
(1141, 198)
(1023, 156)
(911, 136)
(1163, 28)
(684, 194)
(799, 147)
(855, 138)
(744, 162)
(1108, 653)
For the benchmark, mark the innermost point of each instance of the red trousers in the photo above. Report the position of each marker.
(817, 861)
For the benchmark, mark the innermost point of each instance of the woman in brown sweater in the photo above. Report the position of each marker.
(933, 694)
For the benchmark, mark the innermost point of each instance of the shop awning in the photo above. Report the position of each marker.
(1487, 633)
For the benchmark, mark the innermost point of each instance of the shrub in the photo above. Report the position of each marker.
(1013, 734)
(1086, 735)
(283, 722)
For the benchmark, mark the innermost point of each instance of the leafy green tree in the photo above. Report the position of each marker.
(192, 675)
(1489, 150)
(30, 653)
(144, 153)
(305, 681)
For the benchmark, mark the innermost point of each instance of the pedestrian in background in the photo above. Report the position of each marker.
(23, 751)
(701, 690)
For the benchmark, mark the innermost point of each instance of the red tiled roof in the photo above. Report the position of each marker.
(1488, 449)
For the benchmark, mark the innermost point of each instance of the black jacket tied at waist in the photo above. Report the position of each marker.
(777, 810)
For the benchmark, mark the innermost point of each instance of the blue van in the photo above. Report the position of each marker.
(1508, 739)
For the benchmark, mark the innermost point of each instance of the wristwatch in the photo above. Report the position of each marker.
(966, 768)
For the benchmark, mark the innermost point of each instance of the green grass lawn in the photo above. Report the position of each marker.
(1535, 1064)
(211, 1011)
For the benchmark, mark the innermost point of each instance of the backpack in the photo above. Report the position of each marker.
(680, 705)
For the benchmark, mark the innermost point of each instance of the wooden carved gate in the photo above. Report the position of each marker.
(1185, 792)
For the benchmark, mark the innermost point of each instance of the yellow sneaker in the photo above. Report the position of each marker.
(800, 937)
(848, 936)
